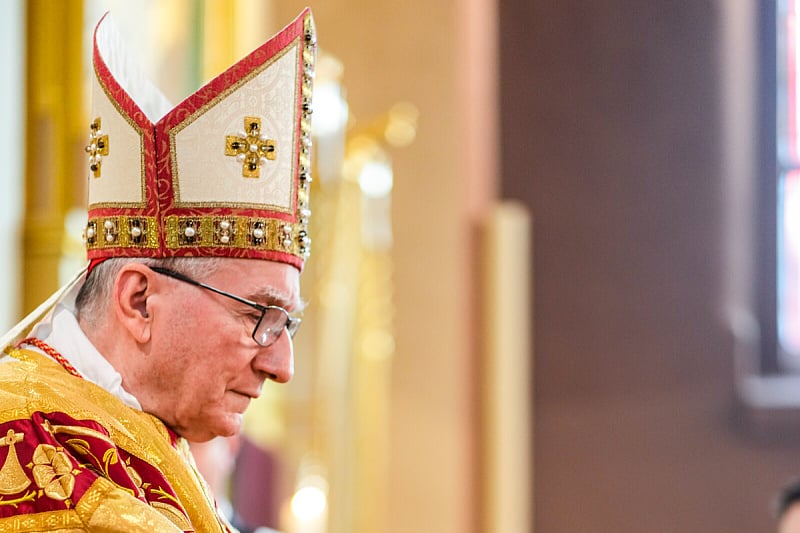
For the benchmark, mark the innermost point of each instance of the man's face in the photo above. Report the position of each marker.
(790, 522)
(205, 365)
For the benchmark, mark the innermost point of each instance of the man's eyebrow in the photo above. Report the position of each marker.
(272, 296)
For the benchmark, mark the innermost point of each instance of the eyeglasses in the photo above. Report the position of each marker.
(270, 325)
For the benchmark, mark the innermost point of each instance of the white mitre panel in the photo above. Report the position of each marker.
(121, 179)
(205, 175)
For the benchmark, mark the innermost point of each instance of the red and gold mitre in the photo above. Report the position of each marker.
(225, 173)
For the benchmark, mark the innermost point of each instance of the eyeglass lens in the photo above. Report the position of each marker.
(272, 324)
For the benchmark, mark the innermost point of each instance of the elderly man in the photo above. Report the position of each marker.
(196, 237)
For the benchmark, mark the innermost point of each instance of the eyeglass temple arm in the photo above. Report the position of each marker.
(182, 277)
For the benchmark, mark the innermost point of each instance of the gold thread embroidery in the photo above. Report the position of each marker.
(164, 495)
(97, 147)
(154, 445)
(136, 478)
(13, 479)
(53, 473)
(121, 232)
(172, 232)
(250, 233)
(173, 515)
(251, 148)
(54, 429)
(27, 497)
(110, 456)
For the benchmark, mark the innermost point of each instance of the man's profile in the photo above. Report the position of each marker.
(196, 236)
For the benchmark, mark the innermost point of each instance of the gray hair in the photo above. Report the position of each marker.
(95, 295)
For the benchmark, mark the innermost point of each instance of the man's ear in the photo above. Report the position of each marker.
(133, 289)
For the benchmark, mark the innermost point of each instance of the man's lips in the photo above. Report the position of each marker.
(250, 395)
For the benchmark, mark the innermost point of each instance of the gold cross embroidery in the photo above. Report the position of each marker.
(97, 147)
(251, 148)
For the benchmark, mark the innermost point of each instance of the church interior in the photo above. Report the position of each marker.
(546, 288)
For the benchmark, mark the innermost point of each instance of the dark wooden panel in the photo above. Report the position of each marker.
(610, 124)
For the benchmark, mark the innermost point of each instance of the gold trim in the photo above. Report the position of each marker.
(119, 232)
(253, 233)
(65, 521)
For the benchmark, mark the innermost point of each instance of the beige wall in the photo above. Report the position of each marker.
(419, 52)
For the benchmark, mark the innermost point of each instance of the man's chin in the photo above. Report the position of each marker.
(229, 426)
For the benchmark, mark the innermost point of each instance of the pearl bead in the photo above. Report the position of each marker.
(136, 231)
(224, 224)
(258, 233)
(108, 224)
(262, 160)
(240, 158)
(287, 243)
(254, 148)
(90, 232)
(109, 237)
(224, 239)
(287, 228)
(189, 232)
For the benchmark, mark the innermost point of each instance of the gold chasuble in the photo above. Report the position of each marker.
(76, 458)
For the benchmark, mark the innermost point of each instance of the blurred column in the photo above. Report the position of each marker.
(53, 140)
(507, 377)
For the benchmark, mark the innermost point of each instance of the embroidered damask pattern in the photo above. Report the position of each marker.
(52, 471)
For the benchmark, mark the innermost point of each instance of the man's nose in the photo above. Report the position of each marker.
(277, 359)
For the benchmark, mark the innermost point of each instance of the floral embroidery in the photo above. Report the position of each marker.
(52, 471)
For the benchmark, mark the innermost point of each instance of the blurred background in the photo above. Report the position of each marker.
(554, 285)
